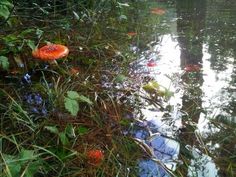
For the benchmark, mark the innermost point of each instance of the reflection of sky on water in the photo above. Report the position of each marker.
(201, 165)
(162, 148)
(167, 73)
(215, 95)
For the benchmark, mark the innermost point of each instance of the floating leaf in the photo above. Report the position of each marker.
(131, 34)
(192, 68)
(151, 86)
(4, 62)
(168, 94)
(72, 106)
(158, 11)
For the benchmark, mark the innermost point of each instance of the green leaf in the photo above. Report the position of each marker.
(25, 32)
(82, 130)
(75, 96)
(72, 94)
(6, 3)
(33, 168)
(85, 99)
(4, 12)
(31, 44)
(27, 155)
(63, 138)
(168, 94)
(4, 62)
(151, 86)
(12, 165)
(70, 131)
(72, 106)
(39, 33)
(52, 129)
(125, 122)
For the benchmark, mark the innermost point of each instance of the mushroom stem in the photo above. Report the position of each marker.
(53, 62)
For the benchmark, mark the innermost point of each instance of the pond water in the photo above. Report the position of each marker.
(196, 61)
(184, 74)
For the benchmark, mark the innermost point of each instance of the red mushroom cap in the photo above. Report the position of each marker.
(192, 68)
(95, 156)
(51, 52)
(151, 63)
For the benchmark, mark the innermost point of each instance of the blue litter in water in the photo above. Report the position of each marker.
(161, 149)
(149, 168)
(141, 134)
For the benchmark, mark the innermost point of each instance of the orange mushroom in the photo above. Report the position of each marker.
(95, 157)
(51, 52)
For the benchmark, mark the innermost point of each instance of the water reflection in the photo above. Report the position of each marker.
(161, 126)
(190, 26)
(199, 90)
(196, 61)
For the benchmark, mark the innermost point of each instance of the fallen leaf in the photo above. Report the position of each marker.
(74, 71)
(158, 11)
(131, 34)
